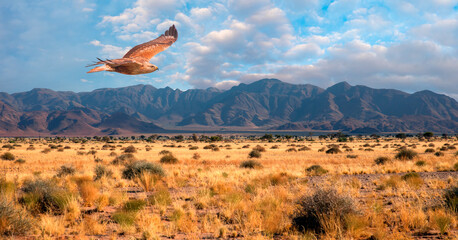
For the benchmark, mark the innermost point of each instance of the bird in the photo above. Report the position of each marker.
(136, 60)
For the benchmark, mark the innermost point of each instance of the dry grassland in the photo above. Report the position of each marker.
(81, 190)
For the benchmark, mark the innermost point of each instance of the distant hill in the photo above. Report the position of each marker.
(268, 104)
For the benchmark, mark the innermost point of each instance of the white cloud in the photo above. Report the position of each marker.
(304, 51)
(226, 84)
(110, 51)
(443, 31)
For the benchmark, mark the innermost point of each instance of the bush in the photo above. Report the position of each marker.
(254, 154)
(352, 156)
(43, 196)
(124, 218)
(13, 220)
(304, 148)
(130, 149)
(169, 159)
(102, 171)
(291, 150)
(406, 154)
(165, 152)
(413, 179)
(251, 164)
(429, 150)
(134, 169)
(20, 161)
(439, 154)
(333, 150)
(66, 170)
(8, 156)
(316, 170)
(314, 209)
(451, 198)
(420, 163)
(134, 205)
(161, 197)
(123, 159)
(259, 148)
(381, 160)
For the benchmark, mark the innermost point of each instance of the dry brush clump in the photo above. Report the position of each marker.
(13, 220)
(43, 196)
(323, 210)
(136, 168)
(406, 154)
(252, 164)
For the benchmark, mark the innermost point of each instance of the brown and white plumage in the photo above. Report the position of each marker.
(136, 61)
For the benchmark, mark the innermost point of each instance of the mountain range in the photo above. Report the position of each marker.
(267, 104)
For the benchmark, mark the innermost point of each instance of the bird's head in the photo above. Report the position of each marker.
(153, 68)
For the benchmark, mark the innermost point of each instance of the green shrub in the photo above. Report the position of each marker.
(254, 154)
(134, 169)
(315, 170)
(406, 154)
(13, 220)
(451, 198)
(66, 170)
(8, 156)
(413, 179)
(193, 148)
(314, 209)
(124, 218)
(168, 159)
(134, 205)
(381, 160)
(43, 196)
(102, 171)
(251, 164)
(352, 156)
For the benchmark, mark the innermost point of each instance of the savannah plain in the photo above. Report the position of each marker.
(229, 188)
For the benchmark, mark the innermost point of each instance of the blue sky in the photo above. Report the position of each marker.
(407, 45)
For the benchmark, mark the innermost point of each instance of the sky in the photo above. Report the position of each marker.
(406, 45)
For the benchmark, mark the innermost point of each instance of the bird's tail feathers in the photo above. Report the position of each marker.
(100, 68)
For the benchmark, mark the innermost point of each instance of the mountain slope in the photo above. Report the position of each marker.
(264, 104)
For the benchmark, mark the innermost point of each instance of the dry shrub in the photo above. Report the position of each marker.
(161, 197)
(259, 148)
(123, 159)
(134, 169)
(52, 225)
(102, 171)
(93, 226)
(88, 190)
(8, 156)
(130, 149)
(169, 159)
(333, 150)
(405, 154)
(147, 180)
(252, 164)
(13, 220)
(381, 160)
(320, 211)
(451, 198)
(441, 220)
(413, 179)
(44, 196)
(316, 170)
(66, 170)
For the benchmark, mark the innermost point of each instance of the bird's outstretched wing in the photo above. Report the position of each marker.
(116, 62)
(150, 49)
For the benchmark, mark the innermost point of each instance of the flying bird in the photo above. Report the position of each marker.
(136, 61)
